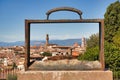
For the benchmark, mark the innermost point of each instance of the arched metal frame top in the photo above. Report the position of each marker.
(64, 9)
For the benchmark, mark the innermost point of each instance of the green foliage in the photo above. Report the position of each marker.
(91, 54)
(116, 39)
(112, 21)
(46, 54)
(112, 56)
(112, 36)
(12, 77)
(116, 75)
(93, 41)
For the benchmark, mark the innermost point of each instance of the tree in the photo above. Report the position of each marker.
(46, 54)
(116, 39)
(92, 52)
(112, 21)
(112, 56)
(112, 36)
(93, 41)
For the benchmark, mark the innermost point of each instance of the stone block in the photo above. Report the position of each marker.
(65, 75)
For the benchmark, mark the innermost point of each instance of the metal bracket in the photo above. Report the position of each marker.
(64, 9)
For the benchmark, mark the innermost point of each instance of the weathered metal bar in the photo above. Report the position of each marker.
(101, 36)
(27, 44)
(100, 43)
(64, 9)
(67, 21)
(102, 46)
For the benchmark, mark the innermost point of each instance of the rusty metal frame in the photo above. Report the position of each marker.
(101, 35)
(64, 9)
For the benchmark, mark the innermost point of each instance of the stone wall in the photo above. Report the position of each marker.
(65, 75)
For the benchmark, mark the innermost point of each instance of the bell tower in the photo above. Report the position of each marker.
(83, 43)
(47, 39)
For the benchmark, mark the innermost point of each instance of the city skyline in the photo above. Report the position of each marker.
(13, 13)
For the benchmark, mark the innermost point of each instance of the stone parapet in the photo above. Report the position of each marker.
(65, 75)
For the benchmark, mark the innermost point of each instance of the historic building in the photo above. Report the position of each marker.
(55, 49)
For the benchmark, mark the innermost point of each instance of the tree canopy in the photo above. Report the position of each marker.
(93, 41)
(112, 36)
(92, 52)
(112, 22)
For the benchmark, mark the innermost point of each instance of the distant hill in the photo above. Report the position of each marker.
(17, 43)
(67, 42)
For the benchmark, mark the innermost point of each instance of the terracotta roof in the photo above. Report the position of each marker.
(18, 49)
(75, 53)
(62, 47)
(34, 47)
(76, 44)
(52, 44)
(3, 55)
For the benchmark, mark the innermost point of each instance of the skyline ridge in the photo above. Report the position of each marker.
(33, 42)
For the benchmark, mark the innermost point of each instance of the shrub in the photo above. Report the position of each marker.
(12, 77)
(47, 54)
(91, 54)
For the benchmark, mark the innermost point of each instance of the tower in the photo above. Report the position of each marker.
(83, 45)
(47, 39)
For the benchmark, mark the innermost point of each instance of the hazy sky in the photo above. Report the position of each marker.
(63, 30)
(14, 12)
